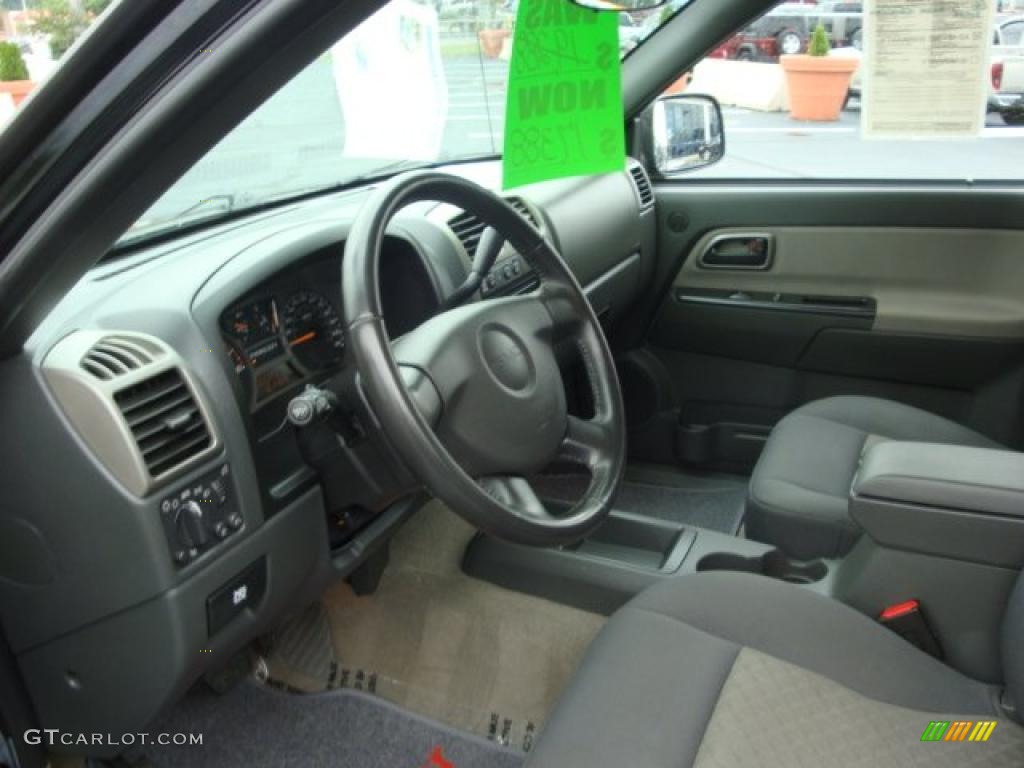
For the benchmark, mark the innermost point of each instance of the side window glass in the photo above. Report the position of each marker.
(767, 136)
(1013, 32)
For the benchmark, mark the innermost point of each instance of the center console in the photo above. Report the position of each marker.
(944, 525)
(627, 553)
(943, 528)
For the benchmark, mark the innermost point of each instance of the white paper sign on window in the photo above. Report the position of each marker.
(926, 68)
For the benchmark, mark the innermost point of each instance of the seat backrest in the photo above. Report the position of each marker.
(1013, 646)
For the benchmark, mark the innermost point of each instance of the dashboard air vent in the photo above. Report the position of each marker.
(523, 209)
(114, 356)
(643, 186)
(468, 228)
(165, 421)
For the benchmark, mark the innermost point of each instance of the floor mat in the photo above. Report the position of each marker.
(253, 726)
(712, 501)
(435, 641)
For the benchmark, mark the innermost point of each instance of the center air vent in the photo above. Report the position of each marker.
(164, 420)
(114, 356)
(468, 228)
(642, 185)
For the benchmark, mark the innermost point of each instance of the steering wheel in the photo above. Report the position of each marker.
(472, 400)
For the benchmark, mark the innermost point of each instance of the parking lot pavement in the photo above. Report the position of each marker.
(771, 145)
(476, 104)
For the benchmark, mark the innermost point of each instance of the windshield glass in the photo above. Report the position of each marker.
(418, 83)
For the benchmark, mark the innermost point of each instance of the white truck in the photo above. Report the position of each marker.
(1007, 94)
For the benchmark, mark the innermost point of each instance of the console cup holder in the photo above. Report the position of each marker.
(773, 564)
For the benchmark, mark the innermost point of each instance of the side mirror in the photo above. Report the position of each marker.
(686, 132)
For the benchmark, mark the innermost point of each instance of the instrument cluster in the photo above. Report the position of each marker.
(275, 340)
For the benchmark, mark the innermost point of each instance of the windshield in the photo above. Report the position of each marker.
(418, 83)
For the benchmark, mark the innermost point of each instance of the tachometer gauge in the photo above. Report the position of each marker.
(313, 330)
(253, 322)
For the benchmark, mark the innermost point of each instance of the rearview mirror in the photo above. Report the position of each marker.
(686, 133)
(629, 6)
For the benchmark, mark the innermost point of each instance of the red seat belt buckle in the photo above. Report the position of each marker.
(907, 620)
(898, 610)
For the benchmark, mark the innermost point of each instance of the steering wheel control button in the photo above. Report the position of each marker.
(506, 358)
(197, 517)
(504, 276)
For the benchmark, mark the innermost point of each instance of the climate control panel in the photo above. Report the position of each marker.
(199, 516)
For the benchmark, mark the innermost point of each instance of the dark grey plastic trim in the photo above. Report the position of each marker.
(953, 501)
(94, 681)
(811, 308)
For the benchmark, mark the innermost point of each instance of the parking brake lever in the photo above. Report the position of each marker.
(487, 250)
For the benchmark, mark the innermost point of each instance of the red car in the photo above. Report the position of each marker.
(787, 28)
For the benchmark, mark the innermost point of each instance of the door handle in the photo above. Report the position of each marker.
(749, 250)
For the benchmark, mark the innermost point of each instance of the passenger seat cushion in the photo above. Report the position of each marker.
(650, 684)
(648, 677)
(800, 488)
(821, 634)
(774, 713)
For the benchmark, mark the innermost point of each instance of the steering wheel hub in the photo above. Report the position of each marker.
(507, 359)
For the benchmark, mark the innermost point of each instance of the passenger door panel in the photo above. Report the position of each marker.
(910, 294)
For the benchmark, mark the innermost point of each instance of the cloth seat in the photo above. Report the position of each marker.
(736, 670)
(800, 488)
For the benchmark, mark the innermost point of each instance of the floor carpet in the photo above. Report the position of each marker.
(254, 726)
(432, 640)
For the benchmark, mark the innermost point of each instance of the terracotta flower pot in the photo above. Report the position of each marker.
(491, 41)
(680, 85)
(19, 89)
(817, 85)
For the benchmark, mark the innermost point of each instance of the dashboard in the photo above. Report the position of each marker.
(159, 387)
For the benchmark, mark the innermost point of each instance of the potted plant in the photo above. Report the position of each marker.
(492, 40)
(817, 82)
(14, 77)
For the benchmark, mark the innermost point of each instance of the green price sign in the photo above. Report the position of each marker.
(564, 110)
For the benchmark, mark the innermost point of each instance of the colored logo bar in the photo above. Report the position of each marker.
(958, 730)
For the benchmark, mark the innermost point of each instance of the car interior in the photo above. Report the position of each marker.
(630, 469)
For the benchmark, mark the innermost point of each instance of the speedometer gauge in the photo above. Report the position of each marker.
(313, 330)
